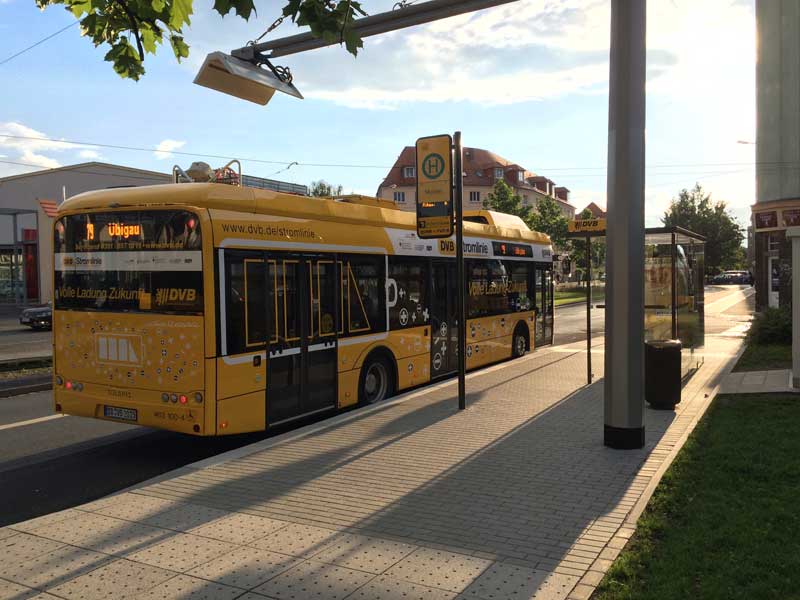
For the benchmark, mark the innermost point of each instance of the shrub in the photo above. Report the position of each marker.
(773, 326)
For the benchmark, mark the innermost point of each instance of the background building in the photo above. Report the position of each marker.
(777, 148)
(28, 205)
(482, 170)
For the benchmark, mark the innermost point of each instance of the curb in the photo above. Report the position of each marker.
(27, 388)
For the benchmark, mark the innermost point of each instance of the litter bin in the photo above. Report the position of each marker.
(662, 373)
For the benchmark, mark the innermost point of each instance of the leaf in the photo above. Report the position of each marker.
(158, 5)
(149, 40)
(179, 47)
(243, 8)
(125, 59)
(181, 9)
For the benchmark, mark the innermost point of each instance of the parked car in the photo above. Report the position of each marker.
(38, 317)
(733, 278)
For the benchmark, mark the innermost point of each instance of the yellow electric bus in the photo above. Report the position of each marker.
(215, 309)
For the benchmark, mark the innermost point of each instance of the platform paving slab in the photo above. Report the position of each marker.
(515, 497)
(758, 382)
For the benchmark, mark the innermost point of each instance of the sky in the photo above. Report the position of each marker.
(527, 80)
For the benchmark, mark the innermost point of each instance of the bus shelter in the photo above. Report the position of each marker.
(674, 267)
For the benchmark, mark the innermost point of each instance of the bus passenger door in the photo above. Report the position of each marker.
(244, 329)
(544, 306)
(444, 322)
(302, 350)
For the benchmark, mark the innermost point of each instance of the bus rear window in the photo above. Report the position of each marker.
(129, 261)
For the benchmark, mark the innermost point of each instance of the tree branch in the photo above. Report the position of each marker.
(134, 27)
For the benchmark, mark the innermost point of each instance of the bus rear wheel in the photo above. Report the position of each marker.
(376, 382)
(519, 343)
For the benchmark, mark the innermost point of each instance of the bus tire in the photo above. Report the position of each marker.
(376, 382)
(520, 341)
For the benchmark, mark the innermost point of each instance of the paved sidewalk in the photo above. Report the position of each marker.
(516, 497)
(758, 382)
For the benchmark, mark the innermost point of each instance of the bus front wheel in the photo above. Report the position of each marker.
(376, 382)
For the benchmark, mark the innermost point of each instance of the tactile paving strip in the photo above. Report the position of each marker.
(53, 568)
(137, 508)
(239, 528)
(364, 553)
(104, 534)
(185, 517)
(181, 552)
(297, 540)
(386, 588)
(51, 519)
(23, 547)
(245, 568)
(312, 580)
(183, 587)
(116, 580)
(440, 569)
(504, 581)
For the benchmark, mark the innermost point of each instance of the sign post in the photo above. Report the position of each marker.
(588, 227)
(438, 202)
(460, 300)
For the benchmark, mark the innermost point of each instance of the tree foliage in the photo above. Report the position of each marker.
(548, 218)
(323, 189)
(503, 199)
(577, 249)
(694, 210)
(133, 28)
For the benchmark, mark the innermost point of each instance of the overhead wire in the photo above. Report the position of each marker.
(41, 41)
(371, 166)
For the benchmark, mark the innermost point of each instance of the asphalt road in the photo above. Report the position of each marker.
(18, 342)
(50, 462)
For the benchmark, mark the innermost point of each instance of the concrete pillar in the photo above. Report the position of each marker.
(793, 233)
(624, 356)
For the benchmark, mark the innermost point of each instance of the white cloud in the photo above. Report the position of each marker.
(165, 148)
(89, 154)
(29, 145)
(526, 50)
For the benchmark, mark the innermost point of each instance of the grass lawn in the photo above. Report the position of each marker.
(724, 521)
(762, 357)
(569, 296)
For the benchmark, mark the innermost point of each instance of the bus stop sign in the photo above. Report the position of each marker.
(435, 187)
(587, 225)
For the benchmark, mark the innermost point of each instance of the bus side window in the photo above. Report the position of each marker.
(366, 295)
(411, 275)
(325, 295)
(235, 319)
(255, 303)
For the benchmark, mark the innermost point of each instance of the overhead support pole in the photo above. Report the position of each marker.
(462, 285)
(624, 357)
(408, 16)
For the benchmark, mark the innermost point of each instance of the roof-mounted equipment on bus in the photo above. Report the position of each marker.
(200, 172)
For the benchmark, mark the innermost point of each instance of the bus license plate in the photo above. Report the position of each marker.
(126, 414)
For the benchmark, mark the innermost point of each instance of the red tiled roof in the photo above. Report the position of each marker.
(596, 211)
(476, 160)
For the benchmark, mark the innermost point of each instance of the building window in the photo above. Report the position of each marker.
(498, 173)
(479, 173)
(409, 172)
(475, 197)
(400, 197)
(521, 176)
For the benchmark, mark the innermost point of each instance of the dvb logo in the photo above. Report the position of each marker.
(119, 349)
(447, 247)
